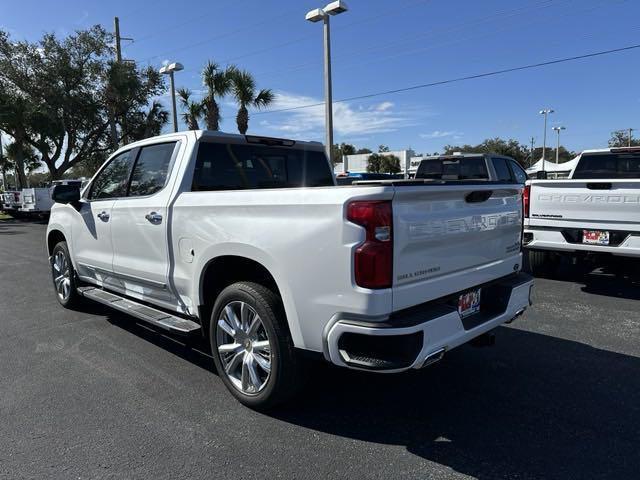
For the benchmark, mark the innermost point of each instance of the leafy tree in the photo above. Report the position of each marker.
(193, 110)
(375, 163)
(218, 83)
(339, 151)
(511, 148)
(620, 138)
(564, 156)
(390, 164)
(363, 150)
(245, 93)
(383, 148)
(69, 100)
(29, 161)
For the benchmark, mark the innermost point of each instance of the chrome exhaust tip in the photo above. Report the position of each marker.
(434, 357)
(518, 314)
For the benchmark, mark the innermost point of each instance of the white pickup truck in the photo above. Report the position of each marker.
(595, 211)
(248, 241)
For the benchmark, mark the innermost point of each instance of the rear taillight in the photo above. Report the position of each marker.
(526, 196)
(373, 259)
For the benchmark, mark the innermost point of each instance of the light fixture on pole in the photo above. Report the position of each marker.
(316, 15)
(169, 70)
(546, 113)
(558, 130)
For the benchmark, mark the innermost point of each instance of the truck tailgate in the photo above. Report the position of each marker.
(588, 201)
(448, 238)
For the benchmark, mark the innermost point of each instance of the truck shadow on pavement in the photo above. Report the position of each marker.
(533, 406)
(619, 279)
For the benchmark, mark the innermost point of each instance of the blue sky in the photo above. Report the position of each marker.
(383, 45)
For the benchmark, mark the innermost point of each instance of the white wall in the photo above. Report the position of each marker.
(358, 163)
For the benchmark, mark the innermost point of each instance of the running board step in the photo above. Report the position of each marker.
(142, 312)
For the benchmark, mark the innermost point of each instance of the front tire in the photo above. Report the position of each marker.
(252, 347)
(64, 276)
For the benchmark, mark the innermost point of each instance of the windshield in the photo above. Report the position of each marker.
(608, 165)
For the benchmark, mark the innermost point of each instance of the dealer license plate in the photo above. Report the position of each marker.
(469, 303)
(595, 237)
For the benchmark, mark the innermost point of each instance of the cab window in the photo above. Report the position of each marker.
(112, 181)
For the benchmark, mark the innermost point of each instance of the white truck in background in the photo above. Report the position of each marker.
(596, 211)
(248, 241)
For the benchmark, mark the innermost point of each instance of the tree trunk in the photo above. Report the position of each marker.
(242, 119)
(19, 160)
(212, 114)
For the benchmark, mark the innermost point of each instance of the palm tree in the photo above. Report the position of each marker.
(193, 110)
(244, 90)
(218, 84)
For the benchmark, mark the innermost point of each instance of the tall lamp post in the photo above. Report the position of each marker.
(169, 70)
(558, 130)
(546, 113)
(333, 8)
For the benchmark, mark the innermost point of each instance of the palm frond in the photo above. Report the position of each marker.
(244, 87)
(264, 98)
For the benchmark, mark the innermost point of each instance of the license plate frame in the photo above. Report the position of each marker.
(596, 237)
(469, 302)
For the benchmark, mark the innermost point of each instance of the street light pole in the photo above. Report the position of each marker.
(170, 70)
(629, 142)
(558, 130)
(328, 94)
(545, 112)
(333, 8)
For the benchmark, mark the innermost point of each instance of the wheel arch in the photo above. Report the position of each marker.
(54, 236)
(225, 269)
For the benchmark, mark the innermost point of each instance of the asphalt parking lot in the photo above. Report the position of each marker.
(93, 394)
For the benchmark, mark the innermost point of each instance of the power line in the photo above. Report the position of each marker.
(459, 79)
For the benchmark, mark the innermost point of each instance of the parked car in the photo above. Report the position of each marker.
(595, 211)
(247, 241)
(471, 166)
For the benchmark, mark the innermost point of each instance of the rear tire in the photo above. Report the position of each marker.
(538, 262)
(252, 346)
(64, 276)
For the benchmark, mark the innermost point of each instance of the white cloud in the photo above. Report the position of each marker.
(347, 119)
(384, 106)
(442, 134)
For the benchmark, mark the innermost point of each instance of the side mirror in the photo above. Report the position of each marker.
(66, 194)
(541, 175)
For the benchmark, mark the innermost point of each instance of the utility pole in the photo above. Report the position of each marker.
(116, 34)
(531, 157)
(4, 178)
(118, 48)
(630, 130)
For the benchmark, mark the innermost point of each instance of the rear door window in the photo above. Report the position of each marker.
(608, 165)
(239, 166)
(151, 169)
(503, 174)
(519, 174)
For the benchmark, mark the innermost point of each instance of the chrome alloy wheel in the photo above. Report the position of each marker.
(244, 347)
(61, 275)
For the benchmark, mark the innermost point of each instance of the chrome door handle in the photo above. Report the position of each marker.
(104, 216)
(153, 217)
